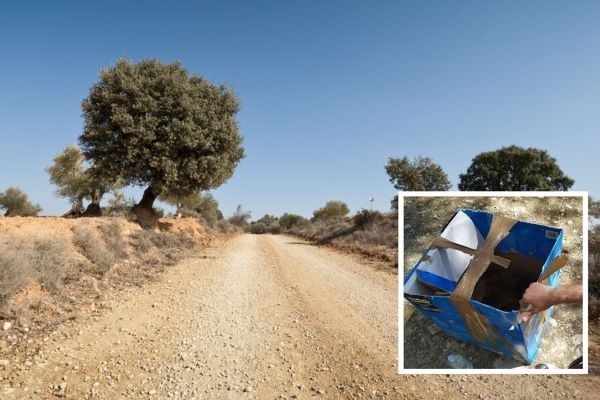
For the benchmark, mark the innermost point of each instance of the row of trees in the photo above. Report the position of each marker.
(510, 168)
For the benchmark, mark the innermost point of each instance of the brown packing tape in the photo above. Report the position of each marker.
(445, 243)
(556, 264)
(478, 325)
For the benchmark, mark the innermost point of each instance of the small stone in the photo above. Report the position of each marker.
(248, 389)
(6, 325)
(4, 363)
(152, 392)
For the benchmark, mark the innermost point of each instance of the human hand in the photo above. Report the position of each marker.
(539, 297)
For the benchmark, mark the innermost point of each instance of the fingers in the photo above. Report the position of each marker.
(525, 316)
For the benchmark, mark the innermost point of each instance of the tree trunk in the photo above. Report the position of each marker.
(77, 208)
(93, 209)
(143, 210)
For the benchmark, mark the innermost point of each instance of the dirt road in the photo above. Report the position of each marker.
(262, 317)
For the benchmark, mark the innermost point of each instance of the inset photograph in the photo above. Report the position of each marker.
(493, 282)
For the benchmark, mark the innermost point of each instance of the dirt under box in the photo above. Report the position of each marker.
(470, 280)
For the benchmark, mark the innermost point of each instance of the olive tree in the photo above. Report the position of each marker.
(75, 182)
(16, 203)
(153, 125)
(514, 168)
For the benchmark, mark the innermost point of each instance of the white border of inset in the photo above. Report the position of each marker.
(402, 370)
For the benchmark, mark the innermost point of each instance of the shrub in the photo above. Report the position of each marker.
(224, 226)
(331, 210)
(287, 221)
(240, 217)
(93, 247)
(22, 261)
(257, 228)
(364, 218)
(15, 270)
(49, 257)
(113, 238)
(141, 240)
(16, 203)
(267, 224)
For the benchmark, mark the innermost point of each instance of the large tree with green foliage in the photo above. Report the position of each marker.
(75, 182)
(514, 168)
(153, 125)
(16, 203)
(421, 174)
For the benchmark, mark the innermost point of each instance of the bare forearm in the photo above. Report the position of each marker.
(567, 294)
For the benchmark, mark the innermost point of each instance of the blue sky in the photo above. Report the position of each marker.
(329, 90)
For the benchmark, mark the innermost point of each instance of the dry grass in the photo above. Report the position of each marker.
(23, 261)
(113, 237)
(93, 248)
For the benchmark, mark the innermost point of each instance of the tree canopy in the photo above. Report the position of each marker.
(153, 125)
(514, 168)
(16, 203)
(75, 182)
(421, 174)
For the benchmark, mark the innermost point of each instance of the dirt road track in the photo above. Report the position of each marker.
(262, 317)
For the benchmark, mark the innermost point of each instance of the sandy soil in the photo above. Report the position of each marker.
(266, 317)
(429, 347)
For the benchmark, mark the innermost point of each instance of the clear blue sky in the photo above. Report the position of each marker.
(329, 90)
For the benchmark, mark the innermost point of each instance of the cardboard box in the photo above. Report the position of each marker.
(470, 280)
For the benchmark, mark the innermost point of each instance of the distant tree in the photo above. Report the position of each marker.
(118, 205)
(287, 221)
(421, 174)
(240, 217)
(196, 204)
(151, 124)
(17, 204)
(332, 209)
(267, 224)
(209, 209)
(183, 204)
(514, 168)
(74, 181)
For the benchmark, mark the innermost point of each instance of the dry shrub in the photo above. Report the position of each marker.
(141, 241)
(25, 260)
(113, 237)
(145, 240)
(49, 256)
(93, 247)
(224, 226)
(381, 232)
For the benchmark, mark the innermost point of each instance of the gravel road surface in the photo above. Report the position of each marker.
(264, 317)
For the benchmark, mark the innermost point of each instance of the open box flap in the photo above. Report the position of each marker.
(450, 264)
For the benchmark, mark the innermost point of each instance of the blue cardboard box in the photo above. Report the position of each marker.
(530, 248)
